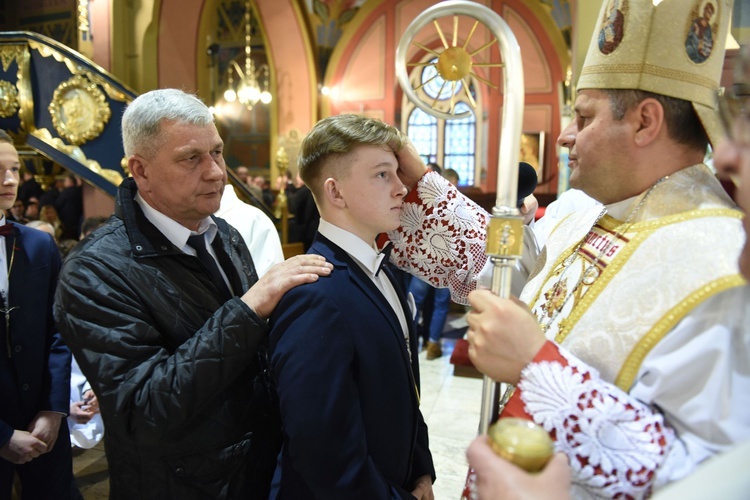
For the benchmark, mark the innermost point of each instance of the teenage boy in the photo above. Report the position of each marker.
(344, 348)
(34, 361)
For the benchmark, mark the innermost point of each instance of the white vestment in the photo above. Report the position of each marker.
(665, 315)
(256, 228)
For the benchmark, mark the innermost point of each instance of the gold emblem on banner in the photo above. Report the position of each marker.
(8, 99)
(79, 110)
(78, 155)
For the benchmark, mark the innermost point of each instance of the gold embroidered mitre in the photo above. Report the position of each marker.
(675, 48)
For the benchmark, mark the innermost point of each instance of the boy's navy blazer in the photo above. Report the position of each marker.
(40, 361)
(348, 388)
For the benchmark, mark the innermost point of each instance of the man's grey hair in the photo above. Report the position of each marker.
(141, 122)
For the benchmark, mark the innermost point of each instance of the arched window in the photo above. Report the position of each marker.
(460, 145)
(423, 133)
(449, 143)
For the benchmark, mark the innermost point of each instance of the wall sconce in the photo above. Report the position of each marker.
(248, 91)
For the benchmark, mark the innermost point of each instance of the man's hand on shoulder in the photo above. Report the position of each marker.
(267, 292)
(411, 168)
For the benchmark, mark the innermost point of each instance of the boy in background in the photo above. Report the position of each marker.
(34, 361)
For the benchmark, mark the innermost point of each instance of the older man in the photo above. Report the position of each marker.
(163, 310)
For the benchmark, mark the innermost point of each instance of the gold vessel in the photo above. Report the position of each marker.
(521, 442)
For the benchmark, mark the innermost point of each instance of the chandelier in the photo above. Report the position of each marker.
(248, 91)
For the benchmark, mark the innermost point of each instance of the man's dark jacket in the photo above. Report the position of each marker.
(179, 374)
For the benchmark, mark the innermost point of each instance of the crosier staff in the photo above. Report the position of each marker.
(505, 231)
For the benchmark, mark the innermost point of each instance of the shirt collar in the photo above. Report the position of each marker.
(175, 232)
(620, 210)
(363, 253)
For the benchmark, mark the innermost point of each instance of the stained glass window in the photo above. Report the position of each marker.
(423, 133)
(449, 143)
(460, 145)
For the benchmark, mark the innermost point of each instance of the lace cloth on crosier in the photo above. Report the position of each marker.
(442, 237)
(615, 443)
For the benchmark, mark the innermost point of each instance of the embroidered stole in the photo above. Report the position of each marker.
(620, 311)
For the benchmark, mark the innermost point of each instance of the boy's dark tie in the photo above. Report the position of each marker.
(7, 229)
(384, 256)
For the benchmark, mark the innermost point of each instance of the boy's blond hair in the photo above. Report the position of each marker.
(335, 137)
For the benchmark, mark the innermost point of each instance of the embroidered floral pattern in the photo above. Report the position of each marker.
(615, 443)
(442, 237)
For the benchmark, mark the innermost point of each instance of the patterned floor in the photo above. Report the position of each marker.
(92, 475)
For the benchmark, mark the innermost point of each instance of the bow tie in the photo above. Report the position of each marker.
(7, 230)
(384, 256)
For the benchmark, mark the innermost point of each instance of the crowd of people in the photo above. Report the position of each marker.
(222, 371)
(58, 209)
(259, 186)
(304, 216)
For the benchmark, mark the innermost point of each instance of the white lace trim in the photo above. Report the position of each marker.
(442, 237)
(614, 442)
(470, 488)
